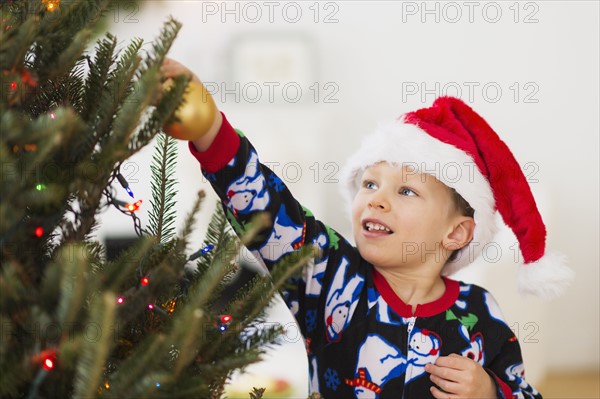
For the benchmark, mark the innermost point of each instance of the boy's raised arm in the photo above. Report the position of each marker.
(245, 187)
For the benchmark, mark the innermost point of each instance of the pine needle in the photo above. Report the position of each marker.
(163, 212)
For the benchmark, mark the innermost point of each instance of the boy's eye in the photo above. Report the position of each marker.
(407, 191)
(369, 184)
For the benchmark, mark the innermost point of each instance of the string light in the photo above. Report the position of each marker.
(51, 5)
(48, 364)
(134, 207)
(48, 359)
(52, 115)
(121, 206)
(157, 309)
(170, 306)
(40, 186)
(39, 231)
(13, 85)
(120, 300)
(145, 281)
(201, 252)
(27, 148)
(124, 184)
(225, 320)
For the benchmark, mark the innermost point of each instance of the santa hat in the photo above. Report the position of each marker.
(453, 143)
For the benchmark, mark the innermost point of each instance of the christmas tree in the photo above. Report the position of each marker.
(151, 322)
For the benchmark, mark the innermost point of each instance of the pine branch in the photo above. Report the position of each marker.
(97, 76)
(162, 211)
(192, 387)
(128, 115)
(13, 371)
(68, 56)
(94, 354)
(114, 275)
(257, 393)
(261, 295)
(192, 311)
(118, 87)
(218, 234)
(150, 352)
(72, 266)
(82, 121)
(12, 286)
(167, 105)
(162, 45)
(190, 221)
(76, 82)
(160, 115)
(16, 41)
(57, 35)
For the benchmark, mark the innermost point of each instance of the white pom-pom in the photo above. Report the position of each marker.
(546, 278)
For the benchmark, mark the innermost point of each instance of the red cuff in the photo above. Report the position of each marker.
(221, 151)
(504, 388)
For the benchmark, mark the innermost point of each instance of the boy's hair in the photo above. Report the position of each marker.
(462, 207)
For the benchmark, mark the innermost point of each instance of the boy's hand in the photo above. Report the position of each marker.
(460, 377)
(200, 119)
(171, 68)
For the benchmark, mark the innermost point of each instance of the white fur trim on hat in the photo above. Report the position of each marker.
(401, 143)
(546, 278)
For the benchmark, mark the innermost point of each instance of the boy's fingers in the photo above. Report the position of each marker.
(438, 394)
(445, 386)
(445, 373)
(453, 361)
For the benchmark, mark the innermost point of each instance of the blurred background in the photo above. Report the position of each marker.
(307, 80)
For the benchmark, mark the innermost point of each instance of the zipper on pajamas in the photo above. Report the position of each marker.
(409, 328)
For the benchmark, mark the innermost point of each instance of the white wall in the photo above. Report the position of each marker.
(374, 55)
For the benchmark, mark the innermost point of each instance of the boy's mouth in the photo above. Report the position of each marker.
(376, 227)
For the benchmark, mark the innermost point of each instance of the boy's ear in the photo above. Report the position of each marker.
(460, 235)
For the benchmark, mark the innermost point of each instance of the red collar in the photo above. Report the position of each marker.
(423, 310)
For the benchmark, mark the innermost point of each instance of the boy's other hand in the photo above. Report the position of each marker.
(460, 377)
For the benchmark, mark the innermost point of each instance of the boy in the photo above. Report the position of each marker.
(382, 320)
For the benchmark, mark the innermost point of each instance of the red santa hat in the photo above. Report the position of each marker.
(454, 144)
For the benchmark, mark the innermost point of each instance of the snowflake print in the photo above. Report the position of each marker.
(276, 183)
(332, 380)
(311, 320)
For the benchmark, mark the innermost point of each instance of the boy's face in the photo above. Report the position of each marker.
(400, 217)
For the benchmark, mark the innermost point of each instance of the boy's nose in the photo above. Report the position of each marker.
(380, 203)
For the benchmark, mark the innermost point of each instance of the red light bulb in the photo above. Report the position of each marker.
(145, 281)
(39, 231)
(48, 364)
(135, 206)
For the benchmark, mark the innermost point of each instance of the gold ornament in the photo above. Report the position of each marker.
(195, 116)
